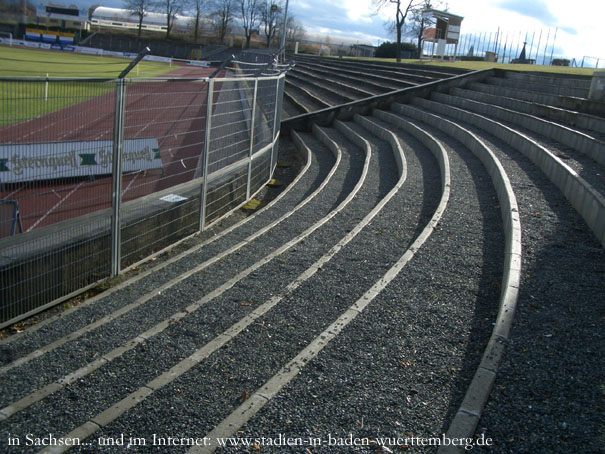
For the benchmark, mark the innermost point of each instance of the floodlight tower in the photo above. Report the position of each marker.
(282, 45)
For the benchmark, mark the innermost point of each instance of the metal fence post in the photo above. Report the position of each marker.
(206, 155)
(276, 115)
(116, 187)
(251, 138)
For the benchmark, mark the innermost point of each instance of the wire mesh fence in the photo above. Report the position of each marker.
(96, 175)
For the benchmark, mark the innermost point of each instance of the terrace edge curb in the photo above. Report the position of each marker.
(467, 417)
(582, 196)
(347, 111)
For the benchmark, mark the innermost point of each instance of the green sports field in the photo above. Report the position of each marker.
(18, 61)
(20, 101)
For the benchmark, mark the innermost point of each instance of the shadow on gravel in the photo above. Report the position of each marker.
(549, 394)
(431, 183)
(490, 276)
(353, 157)
(325, 162)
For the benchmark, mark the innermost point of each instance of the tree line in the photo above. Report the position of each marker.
(408, 21)
(262, 17)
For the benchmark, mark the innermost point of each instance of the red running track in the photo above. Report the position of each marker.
(173, 112)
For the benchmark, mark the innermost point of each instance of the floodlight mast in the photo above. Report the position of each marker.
(133, 63)
(282, 45)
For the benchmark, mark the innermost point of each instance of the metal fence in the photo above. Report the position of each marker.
(506, 46)
(96, 175)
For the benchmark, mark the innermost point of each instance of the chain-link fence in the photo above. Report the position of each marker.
(96, 175)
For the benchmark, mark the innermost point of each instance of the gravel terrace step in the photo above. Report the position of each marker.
(539, 87)
(423, 70)
(578, 120)
(393, 81)
(176, 342)
(401, 367)
(303, 98)
(587, 168)
(278, 335)
(547, 396)
(395, 73)
(563, 102)
(551, 79)
(332, 84)
(321, 163)
(589, 144)
(320, 89)
(358, 82)
(290, 108)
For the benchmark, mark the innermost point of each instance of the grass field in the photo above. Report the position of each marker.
(24, 100)
(478, 65)
(17, 61)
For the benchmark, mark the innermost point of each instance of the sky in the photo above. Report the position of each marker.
(578, 25)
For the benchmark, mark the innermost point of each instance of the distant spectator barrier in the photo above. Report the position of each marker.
(99, 174)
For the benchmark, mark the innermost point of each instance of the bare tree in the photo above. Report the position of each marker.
(223, 11)
(198, 6)
(171, 8)
(270, 18)
(138, 8)
(250, 14)
(418, 24)
(400, 16)
(295, 31)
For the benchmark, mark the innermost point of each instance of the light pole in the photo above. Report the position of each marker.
(283, 33)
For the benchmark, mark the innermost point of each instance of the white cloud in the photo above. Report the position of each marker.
(358, 10)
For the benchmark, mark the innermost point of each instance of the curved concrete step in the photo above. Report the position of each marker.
(329, 94)
(583, 197)
(479, 388)
(395, 73)
(355, 80)
(562, 270)
(394, 83)
(304, 97)
(539, 87)
(569, 117)
(422, 69)
(293, 105)
(560, 80)
(339, 86)
(584, 143)
(564, 102)
(244, 326)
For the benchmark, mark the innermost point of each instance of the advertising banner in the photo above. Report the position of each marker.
(49, 161)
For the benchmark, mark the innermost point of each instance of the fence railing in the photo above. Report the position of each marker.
(96, 175)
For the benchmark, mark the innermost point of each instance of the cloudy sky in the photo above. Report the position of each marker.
(578, 24)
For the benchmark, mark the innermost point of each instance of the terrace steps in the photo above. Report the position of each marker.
(382, 303)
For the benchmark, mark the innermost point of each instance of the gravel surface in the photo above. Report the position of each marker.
(320, 166)
(303, 97)
(117, 379)
(222, 376)
(332, 93)
(400, 369)
(586, 167)
(548, 395)
(39, 371)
